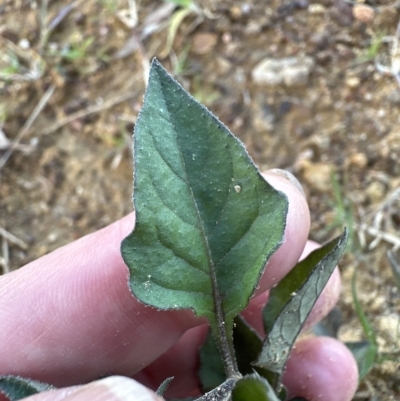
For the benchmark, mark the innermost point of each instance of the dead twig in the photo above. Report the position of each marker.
(90, 110)
(5, 260)
(36, 111)
(394, 264)
(381, 235)
(394, 67)
(13, 239)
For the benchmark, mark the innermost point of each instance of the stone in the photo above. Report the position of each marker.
(204, 43)
(363, 13)
(318, 175)
(375, 192)
(358, 159)
(291, 71)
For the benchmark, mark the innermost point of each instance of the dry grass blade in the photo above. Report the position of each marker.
(36, 111)
(5, 259)
(13, 239)
(6, 238)
(394, 264)
(90, 110)
(390, 238)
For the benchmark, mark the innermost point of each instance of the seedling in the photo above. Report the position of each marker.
(186, 8)
(206, 225)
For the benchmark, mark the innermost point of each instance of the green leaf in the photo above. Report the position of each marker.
(365, 354)
(253, 388)
(290, 303)
(248, 345)
(17, 388)
(211, 370)
(206, 220)
(221, 393)
(163, 386)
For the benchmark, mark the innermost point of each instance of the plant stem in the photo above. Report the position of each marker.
(224, 345)
(226, 349)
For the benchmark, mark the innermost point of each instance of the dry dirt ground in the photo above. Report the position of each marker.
(72, 76)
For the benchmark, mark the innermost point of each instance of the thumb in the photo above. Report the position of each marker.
(113, 388)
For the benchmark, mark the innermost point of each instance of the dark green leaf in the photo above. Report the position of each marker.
(206, 220)
(290, 303)
(211, 370)
(365, 354)
(253, 388)
(221, 393)
(163, 386)
(17, 388)
(248, 345)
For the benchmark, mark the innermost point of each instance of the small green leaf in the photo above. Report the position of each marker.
(253, 388)
(206, 220)
(248, 345)
(211, 370)
(163, 386)
(365, 354)
(290, 303)
(17, 388)
(221, 393)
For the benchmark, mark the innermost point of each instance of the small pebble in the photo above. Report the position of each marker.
(363, 13)
(359, 160)
(353, 81)
(204, 43)
(316, 8)
(24, 44)
(318, 175)
(291, 71)
(375, 191)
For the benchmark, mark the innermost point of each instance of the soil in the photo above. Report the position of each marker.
(73, 76)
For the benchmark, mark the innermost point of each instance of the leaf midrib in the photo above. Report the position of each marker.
(217, 321)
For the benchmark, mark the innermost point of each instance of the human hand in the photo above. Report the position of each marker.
(69, 318)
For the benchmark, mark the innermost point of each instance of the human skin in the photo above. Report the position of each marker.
(70, 318)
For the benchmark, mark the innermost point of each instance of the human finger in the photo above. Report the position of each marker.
(113, 388)
(321, 368)
(71, 312)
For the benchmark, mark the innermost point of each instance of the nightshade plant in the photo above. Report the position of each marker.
(206, 225)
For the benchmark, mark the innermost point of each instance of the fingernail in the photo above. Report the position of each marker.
(290, 177)
(113, 388)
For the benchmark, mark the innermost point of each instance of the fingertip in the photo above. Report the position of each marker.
(321, 368)
(113, 388)
(296, 231)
